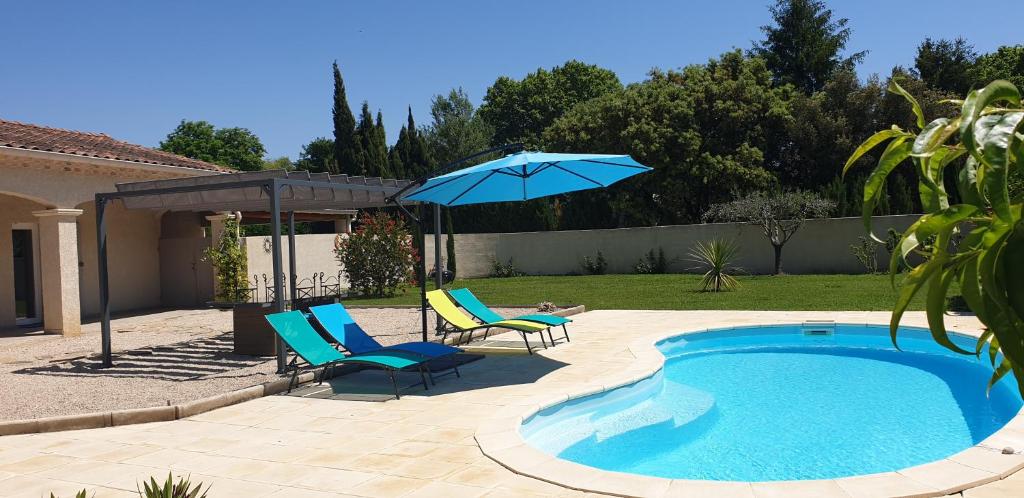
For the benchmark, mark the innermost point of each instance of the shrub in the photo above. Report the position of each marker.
(651, 264)
(865, 251)
(169, 489)
(595, 266)
(80, 494)
(546, 307)
(229, 261)
(378, 257)
(715, 258)
(505, 270)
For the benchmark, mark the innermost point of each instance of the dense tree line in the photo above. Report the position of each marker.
(783, 115)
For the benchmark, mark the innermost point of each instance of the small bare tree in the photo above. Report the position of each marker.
(779, 215)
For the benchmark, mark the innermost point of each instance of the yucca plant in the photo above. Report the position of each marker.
(80, 494)
(715, 258)
(169, 489)
(985, 144)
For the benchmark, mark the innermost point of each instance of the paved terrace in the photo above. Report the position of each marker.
(426, 443)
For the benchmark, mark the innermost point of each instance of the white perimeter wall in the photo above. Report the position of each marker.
(821, 246)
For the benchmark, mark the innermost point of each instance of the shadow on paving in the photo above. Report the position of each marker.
(189, 360)
(368, 384)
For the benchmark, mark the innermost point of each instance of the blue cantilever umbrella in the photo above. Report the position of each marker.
(526, 175)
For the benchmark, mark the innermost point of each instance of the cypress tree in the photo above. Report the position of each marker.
(344, 128)
(398, 153)
(365, 132)
(450, 240)
(380, 148)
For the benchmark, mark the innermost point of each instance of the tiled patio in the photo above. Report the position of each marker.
(421, 445)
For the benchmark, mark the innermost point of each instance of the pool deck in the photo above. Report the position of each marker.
(449, 441)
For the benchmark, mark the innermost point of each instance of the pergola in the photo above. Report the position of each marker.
(279, 194)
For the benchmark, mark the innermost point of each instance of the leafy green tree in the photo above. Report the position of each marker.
(988, 259)
(1006, 63)
(456, 131)
(236, 148)
(519, 111)
(318, 156)
(280, 163)
(804, 45)
(345, 145)
(946, 65)
(378, 257)
(696, 128)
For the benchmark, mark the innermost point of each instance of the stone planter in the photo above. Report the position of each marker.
(252, 334)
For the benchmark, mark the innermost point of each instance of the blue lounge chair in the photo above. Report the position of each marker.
(340, 325)
(469, 302)
(303, 339)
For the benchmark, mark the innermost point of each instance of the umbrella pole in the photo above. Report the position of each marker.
(438, 267)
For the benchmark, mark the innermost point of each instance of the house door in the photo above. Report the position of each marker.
(26, 290)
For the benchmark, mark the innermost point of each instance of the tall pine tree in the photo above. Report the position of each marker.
(344, 129)
(804, 45)
(380, 149)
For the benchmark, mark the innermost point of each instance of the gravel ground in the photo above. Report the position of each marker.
(161, 358)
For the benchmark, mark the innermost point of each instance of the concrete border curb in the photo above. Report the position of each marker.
(146, 415)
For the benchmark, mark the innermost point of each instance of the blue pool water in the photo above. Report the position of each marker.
(780, 403)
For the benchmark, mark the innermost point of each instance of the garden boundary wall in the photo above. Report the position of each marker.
(820, 247)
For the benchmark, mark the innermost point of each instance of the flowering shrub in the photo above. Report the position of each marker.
(378, 257)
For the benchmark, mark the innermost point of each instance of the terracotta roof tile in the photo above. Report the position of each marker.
(80, 143)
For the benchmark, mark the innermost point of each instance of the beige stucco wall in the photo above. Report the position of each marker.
(36, 181)
(185, 278)
(821, 246)
(314, 254)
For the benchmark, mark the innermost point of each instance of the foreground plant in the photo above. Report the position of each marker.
(229, 262)
(715, 258)
(170, 489)
(988, 263)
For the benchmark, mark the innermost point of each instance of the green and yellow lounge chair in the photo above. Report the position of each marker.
(299, 335)
(459, 322)
(475, 307)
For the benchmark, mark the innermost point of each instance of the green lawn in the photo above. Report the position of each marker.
(679, 292)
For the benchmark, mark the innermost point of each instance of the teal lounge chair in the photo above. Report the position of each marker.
(303, 339)
(340, 325)
(475, 307)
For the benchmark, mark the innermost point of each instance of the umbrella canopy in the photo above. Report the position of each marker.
(526, 175)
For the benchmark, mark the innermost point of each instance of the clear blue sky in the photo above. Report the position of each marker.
(134, 69)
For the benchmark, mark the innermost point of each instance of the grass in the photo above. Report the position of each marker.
(680, 292)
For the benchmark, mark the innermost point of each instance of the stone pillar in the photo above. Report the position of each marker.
(216, 231)
(58, 265)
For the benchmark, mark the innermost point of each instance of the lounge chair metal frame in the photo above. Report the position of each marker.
(295, 367)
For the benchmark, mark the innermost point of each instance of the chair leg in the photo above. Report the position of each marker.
(291, 382)
(394, 383)
(566, 331)
(550, 337)
(423, 378)
(527, 341)
(542, 341)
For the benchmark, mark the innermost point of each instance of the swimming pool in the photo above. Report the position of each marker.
(784, 402)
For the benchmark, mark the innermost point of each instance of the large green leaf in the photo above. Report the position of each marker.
(913, 283)
(874, 187)
(895, 87)
(975, 104)
(993, 134)
(1013, 269)
(938, 288)
(933, 136)
(967, 183)
(873, 142)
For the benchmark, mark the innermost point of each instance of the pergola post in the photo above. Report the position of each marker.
(275, 241)
(101, 256)
(291, 257)
(438, 267)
